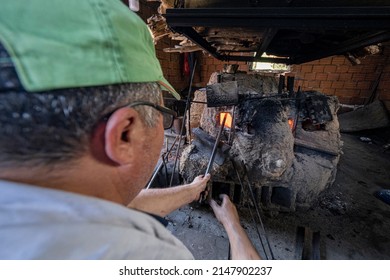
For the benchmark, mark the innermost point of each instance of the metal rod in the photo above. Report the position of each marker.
(184, 122)
(211, 161)
(151, 180)
(189, 121)
(232, 127)
(183, 101)
(154, 175)
(166, 170)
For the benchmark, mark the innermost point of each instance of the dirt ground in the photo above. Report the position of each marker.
(352, 222)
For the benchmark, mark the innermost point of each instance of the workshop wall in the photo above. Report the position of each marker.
(335, 75)
(352, 84)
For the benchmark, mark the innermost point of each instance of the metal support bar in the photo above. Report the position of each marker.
(267, 39)
(281, 84)
(271, 20)
(190, 33)
(290, 85)
(194, 36)
(283, 17)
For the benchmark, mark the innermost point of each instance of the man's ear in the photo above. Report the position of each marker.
(123, 134)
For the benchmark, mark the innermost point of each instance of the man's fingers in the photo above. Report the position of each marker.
(223, 197)
(207, 176)
(213, 203)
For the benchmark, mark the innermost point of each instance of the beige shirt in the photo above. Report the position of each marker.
(39, 223)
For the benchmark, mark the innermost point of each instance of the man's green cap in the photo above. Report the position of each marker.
(56, 44)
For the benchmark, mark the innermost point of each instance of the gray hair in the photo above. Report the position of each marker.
(56, 126)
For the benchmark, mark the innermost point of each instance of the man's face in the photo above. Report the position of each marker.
(152, 145)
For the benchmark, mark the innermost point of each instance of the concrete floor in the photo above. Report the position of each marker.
(352, 222)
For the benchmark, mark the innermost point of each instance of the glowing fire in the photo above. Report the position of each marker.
(291, 123)
(229, 119)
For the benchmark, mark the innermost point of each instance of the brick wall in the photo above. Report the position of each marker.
(209, 64)
(352, 84)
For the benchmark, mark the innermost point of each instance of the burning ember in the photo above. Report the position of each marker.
(228, 121)
(291, 123)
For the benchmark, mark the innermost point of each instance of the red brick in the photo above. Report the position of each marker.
(325, 84)
(330, 69)
(219, 67)
(210, 61)
(364, 93)
(338, 60)
(314, 85)
(325, 61)
(344, 100)
(342, 68)
(318, 68)
(385, 76)
(338, 84)
(329, 91)
(297, 77)
(371, 76)
(321, 76)
(368, 68)
(387, 69)
(364, 85)
(296, 68)
(306, 68)
(310, 76)
(384, 84)
(358, 77)
(355, 69)
(305, 85)
(175, 66)
(345, 77)
(333, 76)
(350, 85)
(384, 95)
(211, 68)
(346, 92)
(298, 83)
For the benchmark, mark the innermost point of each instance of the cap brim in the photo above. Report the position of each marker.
(166, 86)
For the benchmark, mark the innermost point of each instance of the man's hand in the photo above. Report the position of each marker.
(163, 201)
(226, 212)
(241, 246)
(198, 185)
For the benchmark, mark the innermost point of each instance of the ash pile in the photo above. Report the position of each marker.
(278, 149)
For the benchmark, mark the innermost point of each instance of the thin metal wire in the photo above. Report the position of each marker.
(251, 213)
(159, 166)
(166, 170)
(257, 211)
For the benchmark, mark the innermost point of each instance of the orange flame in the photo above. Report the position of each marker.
(291, 123)
(229, 119)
